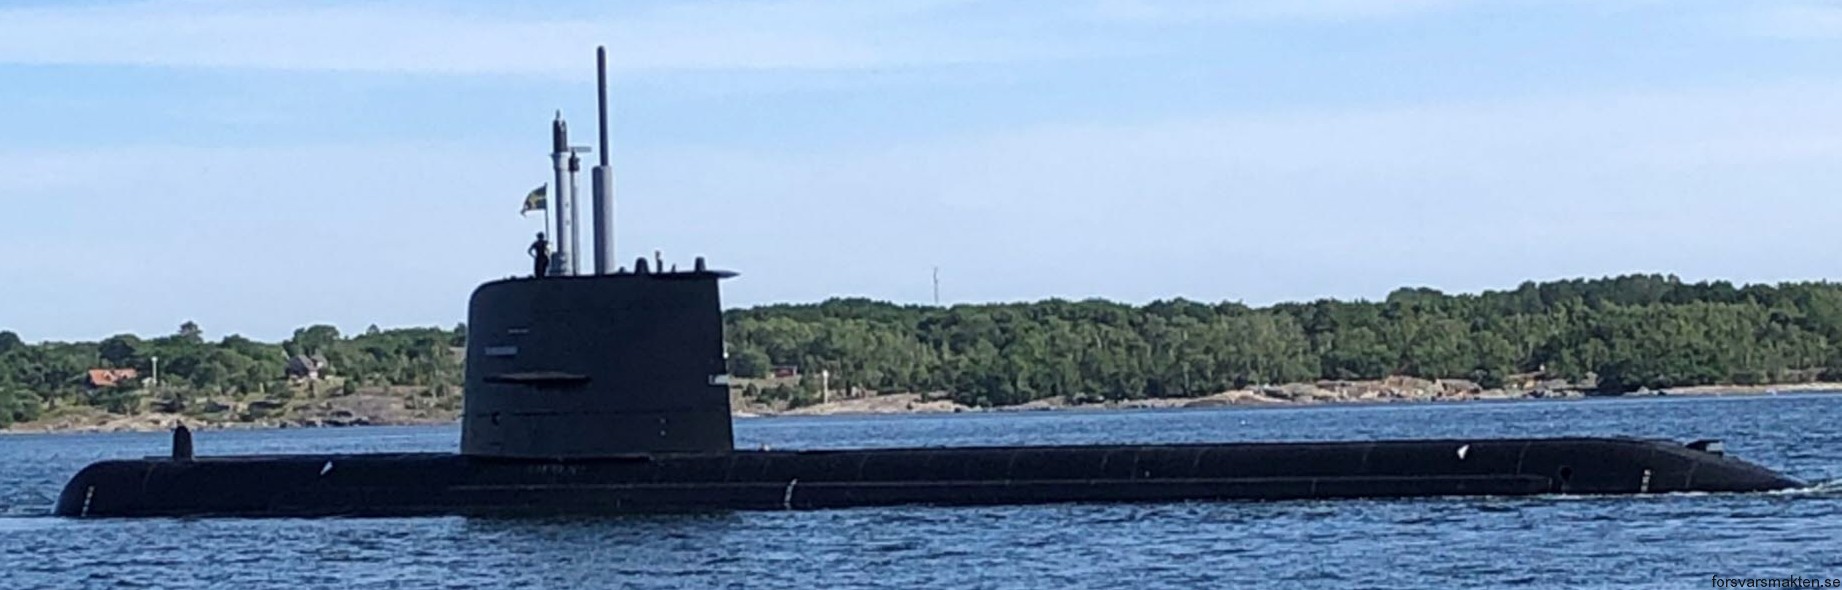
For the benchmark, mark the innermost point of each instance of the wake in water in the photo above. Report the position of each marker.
(1821, 489)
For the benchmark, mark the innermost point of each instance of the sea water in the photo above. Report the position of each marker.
(1668, 541)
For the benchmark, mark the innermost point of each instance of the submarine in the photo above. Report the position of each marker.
(607, 393)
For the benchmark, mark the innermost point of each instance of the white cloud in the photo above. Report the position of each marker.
(416, 37)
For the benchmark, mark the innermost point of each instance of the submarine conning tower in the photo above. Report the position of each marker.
(597, 366)
(604, 365)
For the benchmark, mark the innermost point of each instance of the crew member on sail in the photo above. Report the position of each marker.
(540, 254)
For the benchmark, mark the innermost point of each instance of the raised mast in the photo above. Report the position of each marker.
(602, 177)
(564, 261)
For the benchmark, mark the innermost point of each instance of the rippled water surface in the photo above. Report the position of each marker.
(1676, 541)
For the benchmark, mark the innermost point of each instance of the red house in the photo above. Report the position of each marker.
(105, 378)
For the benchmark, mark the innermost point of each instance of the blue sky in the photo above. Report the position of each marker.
(256, 166)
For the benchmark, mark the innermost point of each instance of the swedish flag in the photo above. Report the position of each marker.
(537, 200)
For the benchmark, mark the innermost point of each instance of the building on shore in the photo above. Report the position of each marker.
(107, 378)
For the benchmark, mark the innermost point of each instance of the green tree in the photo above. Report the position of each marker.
(749, 362)
(120, 351)
(191, 333)
(17, 405)
(317, 339)
(122, 399)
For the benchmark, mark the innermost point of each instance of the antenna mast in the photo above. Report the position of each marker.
(936, 286)
(563, 263)
(602, 177)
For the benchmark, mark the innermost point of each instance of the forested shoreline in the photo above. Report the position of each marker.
(196, 376)
(1613, 335)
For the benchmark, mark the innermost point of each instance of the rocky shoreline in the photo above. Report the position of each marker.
(356, 410)
(388, 411)
(1390, 390)
(160, 422)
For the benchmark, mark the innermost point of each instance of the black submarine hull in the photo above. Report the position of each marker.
(450, 484)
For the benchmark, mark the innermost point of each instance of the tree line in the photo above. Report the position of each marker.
(1615, 334)
(37, 377)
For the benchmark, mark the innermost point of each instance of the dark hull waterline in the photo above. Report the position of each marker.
(451, 484)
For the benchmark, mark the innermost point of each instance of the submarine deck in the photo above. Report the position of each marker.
(441, 483)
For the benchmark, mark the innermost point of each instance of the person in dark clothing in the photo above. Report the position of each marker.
(540, 254)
